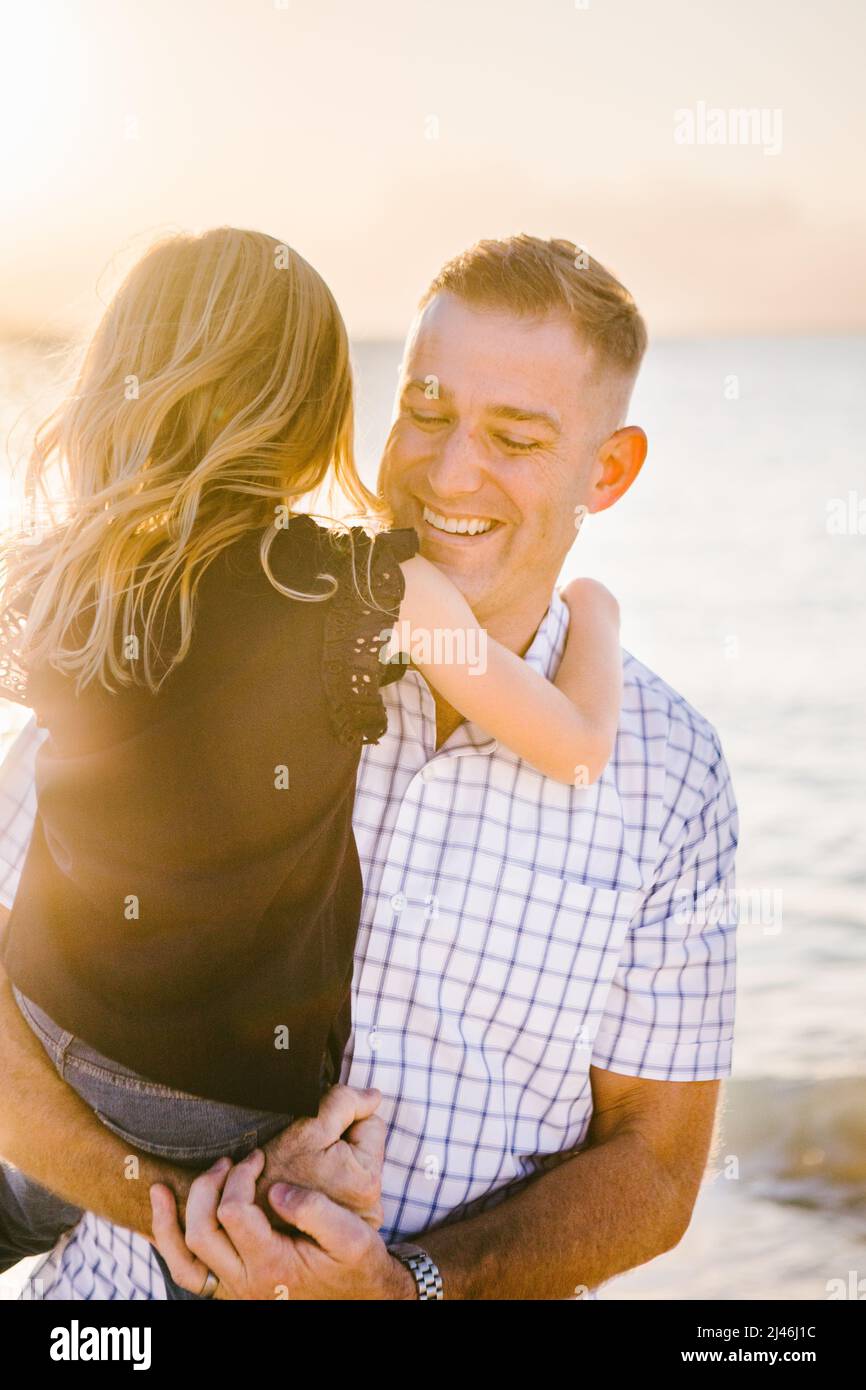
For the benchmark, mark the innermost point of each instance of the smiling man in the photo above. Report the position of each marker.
(545, 1016)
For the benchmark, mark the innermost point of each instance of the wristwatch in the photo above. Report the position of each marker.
(424, 1271)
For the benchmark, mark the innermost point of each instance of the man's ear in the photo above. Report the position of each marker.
(617, 464)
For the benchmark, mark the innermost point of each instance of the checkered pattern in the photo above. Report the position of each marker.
(515, 932)
(99, 1262)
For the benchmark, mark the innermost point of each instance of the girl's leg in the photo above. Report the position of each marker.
(32, 1219)
(185, 1129)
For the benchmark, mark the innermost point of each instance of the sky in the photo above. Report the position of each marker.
(381, 137)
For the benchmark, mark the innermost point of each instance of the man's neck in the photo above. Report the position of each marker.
(514, 631)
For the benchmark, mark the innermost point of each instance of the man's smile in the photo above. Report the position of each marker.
(460, 527)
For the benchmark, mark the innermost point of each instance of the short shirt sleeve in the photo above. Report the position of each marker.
(670, 1012)
(358, 626)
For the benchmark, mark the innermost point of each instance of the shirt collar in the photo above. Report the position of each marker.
(548, 644)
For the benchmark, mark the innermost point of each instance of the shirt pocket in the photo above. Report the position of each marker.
(533, 954)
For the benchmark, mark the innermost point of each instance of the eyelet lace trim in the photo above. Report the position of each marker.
(13, 675)
(355, 632)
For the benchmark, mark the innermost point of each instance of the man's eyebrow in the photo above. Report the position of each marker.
(504, 412)
(514, 412)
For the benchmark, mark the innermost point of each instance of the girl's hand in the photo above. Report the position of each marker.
(565, 729)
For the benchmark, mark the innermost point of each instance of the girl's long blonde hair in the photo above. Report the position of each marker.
(216, 391)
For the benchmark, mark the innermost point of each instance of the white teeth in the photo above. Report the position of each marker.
(465, 526)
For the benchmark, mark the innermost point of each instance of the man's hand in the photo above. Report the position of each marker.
(337, 1256)
(339, 1153)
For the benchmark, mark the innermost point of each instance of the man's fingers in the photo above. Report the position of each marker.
(203, 1233)
(367, 1138)
(341, 1107)
(366, 1141)
(240, 1185)
(185, 1269)
(338, 1232)
(374, 1216)
(244, 1222)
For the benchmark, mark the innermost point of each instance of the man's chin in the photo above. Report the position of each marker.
(474, 586)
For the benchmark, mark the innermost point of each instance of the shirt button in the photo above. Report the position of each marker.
(428, 772)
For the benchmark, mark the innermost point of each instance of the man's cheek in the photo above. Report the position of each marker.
(388, 469)
(397, 456)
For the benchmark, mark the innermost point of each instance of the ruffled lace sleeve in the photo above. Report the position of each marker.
(13, 675)
(358, 624)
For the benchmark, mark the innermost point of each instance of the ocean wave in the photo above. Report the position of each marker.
(797, 1141)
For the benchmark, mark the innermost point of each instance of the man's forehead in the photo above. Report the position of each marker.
(485, 353)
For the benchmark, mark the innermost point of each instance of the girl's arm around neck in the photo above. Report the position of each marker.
(565, 730)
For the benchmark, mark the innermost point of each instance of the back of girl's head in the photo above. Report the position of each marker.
(216, 390)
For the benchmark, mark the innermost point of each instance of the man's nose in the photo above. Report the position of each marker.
(457, 466)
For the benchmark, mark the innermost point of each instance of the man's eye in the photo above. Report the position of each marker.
(518, 446)
(421, 418)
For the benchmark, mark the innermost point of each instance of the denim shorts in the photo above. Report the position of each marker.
(174, 1125)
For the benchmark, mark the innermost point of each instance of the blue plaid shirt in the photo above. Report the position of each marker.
(515, 932)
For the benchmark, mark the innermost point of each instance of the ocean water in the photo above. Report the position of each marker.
(739, 560)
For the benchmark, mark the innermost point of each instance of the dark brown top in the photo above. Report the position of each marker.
(181, 908)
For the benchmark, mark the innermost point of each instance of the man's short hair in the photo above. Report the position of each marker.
(533, 278)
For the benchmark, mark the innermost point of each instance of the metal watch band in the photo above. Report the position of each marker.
(424, 1271)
